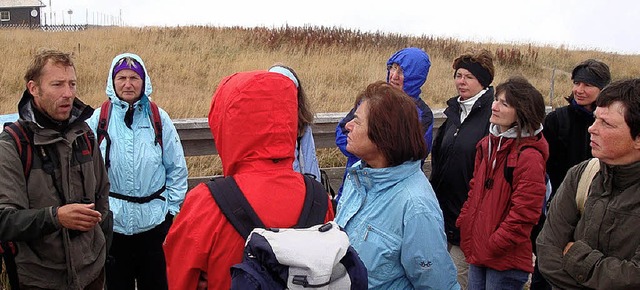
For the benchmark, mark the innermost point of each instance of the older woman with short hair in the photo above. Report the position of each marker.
(388, 207)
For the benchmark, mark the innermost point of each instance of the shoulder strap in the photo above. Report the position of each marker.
(22, 137)
(236, 208)
(508, 170)
(315, 204)
(103, 125)
(593, 166)
(234, 205)
(156, 122)
(103, 122)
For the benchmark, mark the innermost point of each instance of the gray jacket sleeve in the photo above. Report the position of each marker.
(584, 265)
(558, 231)
(17, 221)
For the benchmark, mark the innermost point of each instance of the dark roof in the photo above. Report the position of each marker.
(20, 3)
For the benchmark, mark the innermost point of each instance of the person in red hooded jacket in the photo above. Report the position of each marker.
(253, 119)
(496, 220)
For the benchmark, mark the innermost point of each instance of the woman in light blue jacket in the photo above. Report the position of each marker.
(147, 172)
(388, 207)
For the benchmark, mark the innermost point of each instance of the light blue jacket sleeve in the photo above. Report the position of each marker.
(424, 255)
(174, 163)
(307, 148)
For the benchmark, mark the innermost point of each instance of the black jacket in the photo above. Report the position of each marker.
(566, 132)
(452, 157)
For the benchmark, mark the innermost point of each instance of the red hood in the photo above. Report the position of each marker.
(254, 117)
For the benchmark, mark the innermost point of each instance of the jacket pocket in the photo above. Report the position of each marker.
(380, 252)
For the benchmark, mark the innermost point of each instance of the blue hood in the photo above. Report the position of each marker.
(415, 64)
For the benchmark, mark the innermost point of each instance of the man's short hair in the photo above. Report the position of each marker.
(627, 92)
(34, 71)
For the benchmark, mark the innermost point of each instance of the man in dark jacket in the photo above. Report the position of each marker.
(54, 212)
(598, 247)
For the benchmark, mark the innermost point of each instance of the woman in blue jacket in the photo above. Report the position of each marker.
(407, 70)
(388, 207)
(148, 178)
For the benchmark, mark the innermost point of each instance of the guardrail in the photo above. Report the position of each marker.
(197, 140)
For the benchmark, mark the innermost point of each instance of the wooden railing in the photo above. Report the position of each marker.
(197, 140)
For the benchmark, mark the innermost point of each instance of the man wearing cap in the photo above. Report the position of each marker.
(566, 129)
(148, 178)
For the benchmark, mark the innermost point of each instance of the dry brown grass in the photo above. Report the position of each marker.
(186, 64)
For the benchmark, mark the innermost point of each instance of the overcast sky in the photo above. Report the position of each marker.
(612, 25)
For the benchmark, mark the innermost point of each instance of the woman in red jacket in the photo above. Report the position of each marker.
(507, 190)
(254, 120)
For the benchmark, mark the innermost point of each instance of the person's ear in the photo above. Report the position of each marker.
(636, 143)
(33, 88)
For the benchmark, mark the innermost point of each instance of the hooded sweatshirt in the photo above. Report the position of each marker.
(139, 166)
(253, 119)
(496, 220)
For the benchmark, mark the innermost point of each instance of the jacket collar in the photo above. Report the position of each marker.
(26, 110)
(375, 180)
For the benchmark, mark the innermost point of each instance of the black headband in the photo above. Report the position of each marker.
(481, 73)
(586, 76)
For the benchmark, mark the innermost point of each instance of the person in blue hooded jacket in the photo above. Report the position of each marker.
(407, 70)
(148, 180)
(388, 208)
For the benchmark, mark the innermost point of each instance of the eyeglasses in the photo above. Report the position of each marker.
(395, 69)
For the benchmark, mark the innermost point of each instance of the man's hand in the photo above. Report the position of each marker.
(78, 216)
(566, 248)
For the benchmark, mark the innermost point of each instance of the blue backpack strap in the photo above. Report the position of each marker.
(234, 205)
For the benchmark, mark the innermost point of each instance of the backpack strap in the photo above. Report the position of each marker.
(593, 166)
(315, 204)
(234, 205)
(156, 122)
(236, 208)
(22, 137)
(103, 125)
(508, 170)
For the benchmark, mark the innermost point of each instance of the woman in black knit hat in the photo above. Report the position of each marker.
(454, 147)
(566, 132)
